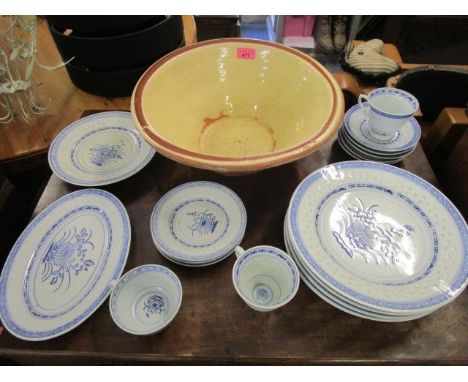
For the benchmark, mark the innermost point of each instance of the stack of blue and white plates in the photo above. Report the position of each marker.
(361, 142)
(376, 241)
(198, 223)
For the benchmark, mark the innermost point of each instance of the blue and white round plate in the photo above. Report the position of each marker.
(64, 264)
(198, 223)
(338, 301)
(100, 149)
(380, 236)
(357, 126)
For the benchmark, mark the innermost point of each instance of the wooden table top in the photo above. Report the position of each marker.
(214, 326)
(19, 139)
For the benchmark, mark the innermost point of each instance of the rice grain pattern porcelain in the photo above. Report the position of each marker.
(237, 105)
(99, 149)
(146, 299)
(357, 139)
(339, 301)
(198, 223)
(64, 264)
(356, 125)
(265, 277)
(379, 237)
(389, 110)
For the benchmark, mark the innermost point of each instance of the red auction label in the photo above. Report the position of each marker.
(246, 53)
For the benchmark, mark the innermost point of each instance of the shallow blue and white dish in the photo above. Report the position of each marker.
(146, 299)
(198, 223)
(195, 264)
(380, 154)
(62, 267)
(357, 126)
(379, 237)
(100, 149)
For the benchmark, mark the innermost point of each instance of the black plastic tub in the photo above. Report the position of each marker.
(123, 50)
(108, 83)
(101, 25)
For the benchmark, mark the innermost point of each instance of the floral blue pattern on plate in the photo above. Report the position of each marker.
(339, 302)
(409, 216)
(198, 223)
(100, 149)
(146, 299)
(62, 266)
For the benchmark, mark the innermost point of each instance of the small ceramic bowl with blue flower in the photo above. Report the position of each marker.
(146, 299)
(265, 277)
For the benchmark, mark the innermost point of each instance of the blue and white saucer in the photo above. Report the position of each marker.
(100, 149)
(352, 143)
(357, 127)
(198, 223)
(359, 152)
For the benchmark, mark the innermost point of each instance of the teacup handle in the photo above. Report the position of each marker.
(239, 251)
(363, 98)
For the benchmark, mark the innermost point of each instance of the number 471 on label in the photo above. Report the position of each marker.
(246, 53)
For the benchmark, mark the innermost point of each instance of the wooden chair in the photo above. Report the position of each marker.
(442, 92)
(443, 116)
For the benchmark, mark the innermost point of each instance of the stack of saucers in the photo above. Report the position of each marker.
(359, 140)
(198, 223)
(376, 241)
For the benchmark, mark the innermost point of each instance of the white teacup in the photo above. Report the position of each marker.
(265, 277)
(389, 109)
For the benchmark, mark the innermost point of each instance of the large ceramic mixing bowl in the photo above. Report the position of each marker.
(237, 105)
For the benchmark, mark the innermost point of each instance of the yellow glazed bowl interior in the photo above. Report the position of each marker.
(237, 105)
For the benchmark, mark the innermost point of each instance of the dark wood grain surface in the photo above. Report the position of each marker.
(214, 326)
(19, 139)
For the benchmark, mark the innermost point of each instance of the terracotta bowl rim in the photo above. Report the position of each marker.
(248, 163)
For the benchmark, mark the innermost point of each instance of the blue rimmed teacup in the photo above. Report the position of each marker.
(146, 299)
(265, 277)
(388, 109)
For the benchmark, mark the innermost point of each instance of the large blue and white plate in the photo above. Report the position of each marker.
(198, 223)
(339, 301)
(380, 236)
(100, 149)
(357, 126)
(63, 266)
